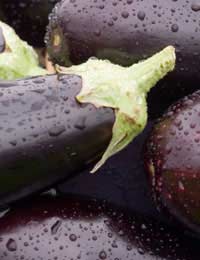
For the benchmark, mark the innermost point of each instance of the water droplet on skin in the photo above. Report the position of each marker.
(73, 237)
(3, 213)
(26, 244)
(114, 244)
(39, 91)
(11, 245)
(121, 233)
(97, 32)
(80, 124)
(129, 247)
(125, 14)
(143, 226)
(55, 227)
(174, 28)
(102, 255)
(13, 142)
(67, 111)
(141, 15)
(140, 251)
(195, 7)
(57, 130)
(181, 186)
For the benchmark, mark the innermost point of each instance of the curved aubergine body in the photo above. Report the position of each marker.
(28, 17)
(69, 228)
(128, 31)
(45, 134)
(172, 161)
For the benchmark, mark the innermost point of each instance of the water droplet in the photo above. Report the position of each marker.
(102, 255)
(181, 186)
(13, 142)
(195, 7)
(57, 130)
(125, 14)
(174, 28)
(26, 244)
(94, 238)
(141, 15)
(141, 251)
(80, 124)
(55, 227)
(73, 237)
(11, 245)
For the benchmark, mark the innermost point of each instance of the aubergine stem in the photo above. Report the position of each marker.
(123, 89)
(126, 32)
(17, 59)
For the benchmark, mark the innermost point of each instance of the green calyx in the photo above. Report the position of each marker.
(18, 60)
(124, 89)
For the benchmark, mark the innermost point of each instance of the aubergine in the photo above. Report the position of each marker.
(128, 31)
(76, 228)
(53, 126)
(28, 17)
(172, 161)
(46, 135)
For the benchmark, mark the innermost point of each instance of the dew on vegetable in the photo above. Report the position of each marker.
(11, 245)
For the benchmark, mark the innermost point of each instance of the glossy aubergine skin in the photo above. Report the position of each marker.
(28, 17)
(126, 32)
(46, 135)
(69, 228)
(172, 161)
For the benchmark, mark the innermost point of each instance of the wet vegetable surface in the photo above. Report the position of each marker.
(127, 31)
(61, 228)
(28, 17)
(172, 160)
(71, 228)
(46, 135)
(124, 31)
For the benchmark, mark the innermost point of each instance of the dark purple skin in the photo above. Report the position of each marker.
(46, 135)
(69, 228)
(126, 32)
(172, 159)
(28, 17)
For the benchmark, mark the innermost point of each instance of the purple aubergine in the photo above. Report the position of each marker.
(69, 228)
(172, 159)
(45, 134)
(128, 31)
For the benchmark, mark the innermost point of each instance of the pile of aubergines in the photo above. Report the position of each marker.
(47, 135)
